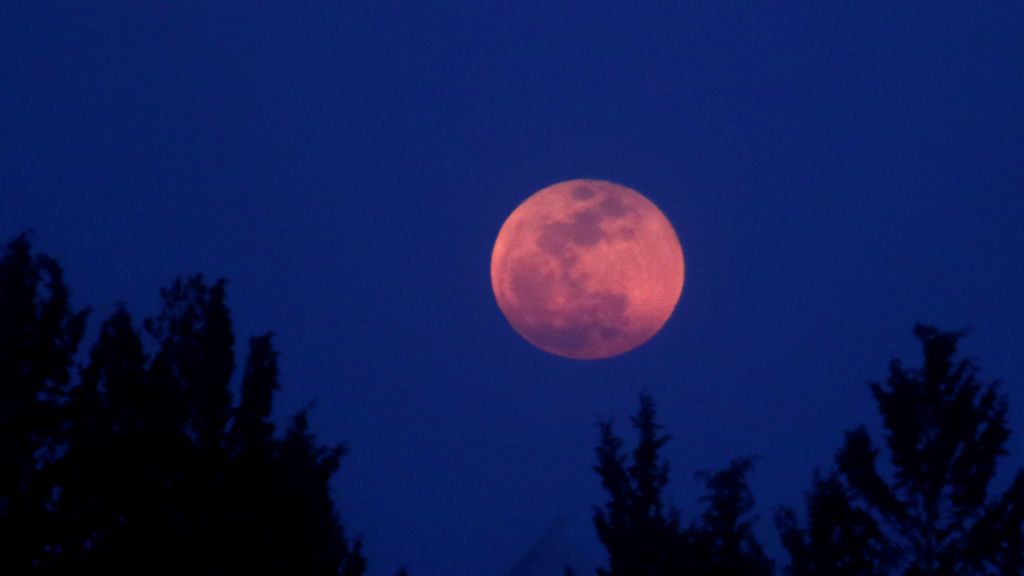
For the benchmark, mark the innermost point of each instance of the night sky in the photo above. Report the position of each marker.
(835, 171)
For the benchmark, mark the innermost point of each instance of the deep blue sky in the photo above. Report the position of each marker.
(836, 171)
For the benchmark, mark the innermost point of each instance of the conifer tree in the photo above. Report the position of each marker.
(144, 465)
(642, 534)
(39, 335)
(934, 515)
(98, 473)
(723, 542)
(639, 533)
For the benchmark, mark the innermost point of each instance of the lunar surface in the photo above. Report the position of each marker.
(587, 269)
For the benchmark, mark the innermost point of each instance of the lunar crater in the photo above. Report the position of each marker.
(582, 193)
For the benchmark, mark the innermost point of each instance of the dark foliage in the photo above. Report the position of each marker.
(143, 464)
(840, 539)
(945, 430)
(723, 543)
(39, 335)
(642, 535)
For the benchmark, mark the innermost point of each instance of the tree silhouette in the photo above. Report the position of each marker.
(143, 464)
(945, 430)
(252, 431)
(106, 452)
(39, 335)
(639, 534)
(723, 543)
(643, 537)
(840, 539)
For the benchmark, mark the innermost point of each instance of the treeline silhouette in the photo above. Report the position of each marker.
(930, 514)
(140, 461)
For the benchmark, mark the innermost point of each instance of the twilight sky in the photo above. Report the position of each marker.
(835, 171)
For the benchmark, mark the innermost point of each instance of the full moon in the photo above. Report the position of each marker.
(587, 269)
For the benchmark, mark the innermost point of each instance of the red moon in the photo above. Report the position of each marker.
(587, 269)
